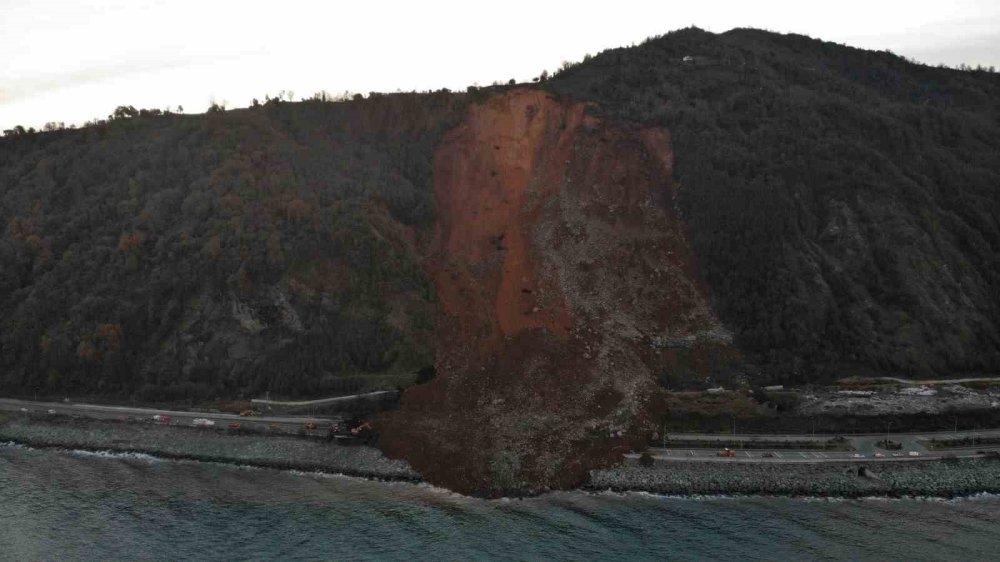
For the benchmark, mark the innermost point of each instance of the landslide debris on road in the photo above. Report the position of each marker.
(564, 282)
(944, 399)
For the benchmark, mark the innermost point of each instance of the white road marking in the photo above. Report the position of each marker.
(777, 455)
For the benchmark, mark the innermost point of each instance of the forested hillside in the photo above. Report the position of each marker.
(842, 204)
(840, 209)
(220, 255)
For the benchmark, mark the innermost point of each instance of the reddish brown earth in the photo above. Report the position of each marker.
(564, 282)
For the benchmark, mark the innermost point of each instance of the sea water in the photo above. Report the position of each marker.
(71, 505)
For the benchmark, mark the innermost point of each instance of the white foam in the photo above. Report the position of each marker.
(114, 455)
(818, 499)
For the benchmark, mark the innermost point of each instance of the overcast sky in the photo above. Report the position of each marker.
(76, 60)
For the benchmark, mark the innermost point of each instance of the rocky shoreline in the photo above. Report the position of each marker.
(947, 479)
(207, 445)
(944, 478)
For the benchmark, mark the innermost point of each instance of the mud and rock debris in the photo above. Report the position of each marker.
(557, 260)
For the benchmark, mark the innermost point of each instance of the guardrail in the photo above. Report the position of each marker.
(323, 401)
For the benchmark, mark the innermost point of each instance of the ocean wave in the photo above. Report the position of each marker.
(977, 497)
(116, 455)
(422, 487)
(318, 474)
(653, 495)
(980, 496)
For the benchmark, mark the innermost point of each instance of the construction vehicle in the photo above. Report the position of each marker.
(361, 429)
(727, 452)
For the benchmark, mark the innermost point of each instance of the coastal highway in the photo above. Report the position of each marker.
(706, 446)
(924, 435)
(288, 424)
(863, 445)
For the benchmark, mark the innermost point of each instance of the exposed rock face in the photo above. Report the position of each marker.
(560, 269)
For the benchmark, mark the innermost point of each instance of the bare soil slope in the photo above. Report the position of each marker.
(564, 281)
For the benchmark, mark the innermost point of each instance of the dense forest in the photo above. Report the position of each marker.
(842, 207)
(220, 255)
(843, 204)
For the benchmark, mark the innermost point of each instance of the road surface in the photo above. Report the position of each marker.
(810, 457)
(289, 424)
(863, 447)
(324, 401)
(925, 382)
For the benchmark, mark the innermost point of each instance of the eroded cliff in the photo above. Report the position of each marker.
(564, 283)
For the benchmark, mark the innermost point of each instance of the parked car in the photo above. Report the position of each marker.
(24, 410)
(161, 419)
(52, 411)
(310, 425)
(879, 455)
(897, 454)
(914, 454)
(857, 456)
(202, 422)
(234, 425)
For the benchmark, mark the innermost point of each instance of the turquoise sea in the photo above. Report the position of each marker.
(66, 505)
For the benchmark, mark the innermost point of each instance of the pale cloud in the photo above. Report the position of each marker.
(75, 60)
